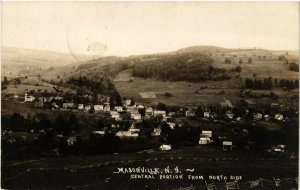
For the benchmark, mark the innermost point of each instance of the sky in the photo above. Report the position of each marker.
(130, 28)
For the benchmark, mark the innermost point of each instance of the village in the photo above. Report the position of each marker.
(128, 120)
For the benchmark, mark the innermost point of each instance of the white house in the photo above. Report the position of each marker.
(204, 140)
(190, 113)
(29, 98)
(205, 137)
(206, 114)
(278, 117)
(165, 147)
(159, 112)
(134, 130)
(229, 114)
(127, 102)
(68, 105)
(98, 108)
(140, 107)
(156, 131)
(131, 108)
(126, 134)
(118, 108)
(227, 145)
(42, 99)
(106, 107)
(99, 132)
(87, 107)
(267, 117)
(80, 106)
(114, 114)
(206, 133)
(136, 115)
(257, 116)
(171, 125)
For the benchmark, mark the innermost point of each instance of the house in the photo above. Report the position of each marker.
(87, 107)
(135, 115)
(127, 102)
(118, 108)
(68, 105)
(171, 114)
(278, 117)
(80, 106)
(206, 133)
(267, 117)
(226, 104)
(140, 107)
(49, 99)
(229, 114)
(158, 112)
(126, 134)
(98, 108)
(54, 106)
(106, 107)
(205, 137)
(149, 112)
(42, 99)
(249, 103)
(134, 130)
(278, 148)
(190, 113)
(165, 147)
(156, 131)
(275, 105)
(58, 98)
(99, 133)
(131, 108)
(114, 115)
(27, 98)
(171, 125)
(227, 145)
(204, 140)
(206, 114)
(257, 116)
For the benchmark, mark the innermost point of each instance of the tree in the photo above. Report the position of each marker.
(238, 69)
(5, 81)
(227, 60)
(294, 67)
(241, 61)
(161, 106)
(17, 122)
(39, 76)
(250, 60)
(281, 57)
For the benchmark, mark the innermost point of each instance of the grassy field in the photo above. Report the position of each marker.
(270, 66)
(183, 93)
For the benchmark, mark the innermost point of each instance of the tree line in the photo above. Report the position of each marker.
(267, 83)
(194, 67)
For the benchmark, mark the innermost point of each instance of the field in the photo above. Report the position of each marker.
(89, 172)
(183, 93)
(270, 66)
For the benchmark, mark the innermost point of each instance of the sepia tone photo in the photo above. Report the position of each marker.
(150, 95)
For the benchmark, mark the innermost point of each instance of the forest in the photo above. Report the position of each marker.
(193, 67)
(268, 84)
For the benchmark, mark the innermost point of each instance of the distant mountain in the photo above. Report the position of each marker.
(33, 57)
(204, 49)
